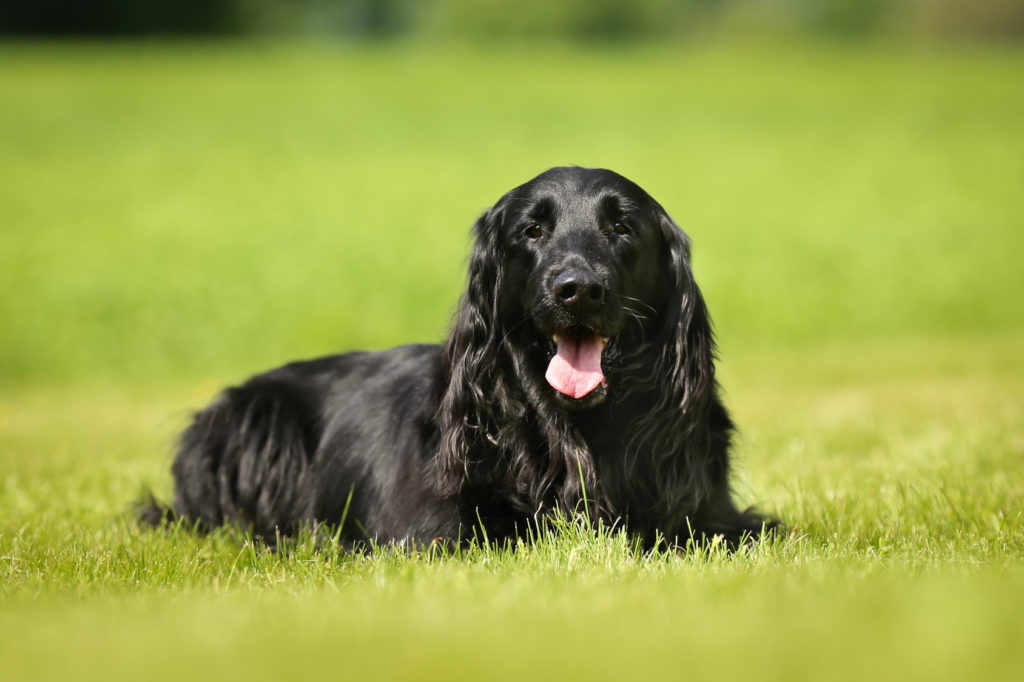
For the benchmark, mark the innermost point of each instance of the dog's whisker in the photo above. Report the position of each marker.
(508, 332)
(633, 313)
(637, 300)
(640, 320)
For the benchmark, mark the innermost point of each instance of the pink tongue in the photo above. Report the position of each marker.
(576, 368)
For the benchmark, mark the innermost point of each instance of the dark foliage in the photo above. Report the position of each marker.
(586, 21)
(120, 17)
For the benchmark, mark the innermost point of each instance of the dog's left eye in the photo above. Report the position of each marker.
(533, 231)
(621, 227)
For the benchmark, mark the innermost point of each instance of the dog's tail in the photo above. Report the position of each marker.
(152, 512)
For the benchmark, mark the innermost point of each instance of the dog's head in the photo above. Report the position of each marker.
(580, 267)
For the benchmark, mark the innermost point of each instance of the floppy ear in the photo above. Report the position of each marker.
(470, 353)
(689, 349)
(476, 322)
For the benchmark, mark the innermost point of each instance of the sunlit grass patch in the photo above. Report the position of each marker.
(174, 218)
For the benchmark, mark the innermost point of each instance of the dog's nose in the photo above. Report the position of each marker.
(579, 291)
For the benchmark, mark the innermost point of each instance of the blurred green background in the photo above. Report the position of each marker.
(292, 178)
(194, 191)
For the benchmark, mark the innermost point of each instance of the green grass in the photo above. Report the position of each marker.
(173, 217)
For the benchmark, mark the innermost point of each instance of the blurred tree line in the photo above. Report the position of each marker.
(581, 20)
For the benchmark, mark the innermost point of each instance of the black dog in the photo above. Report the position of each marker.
(579, 371)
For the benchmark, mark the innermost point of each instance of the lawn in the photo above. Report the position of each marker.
(173, 217)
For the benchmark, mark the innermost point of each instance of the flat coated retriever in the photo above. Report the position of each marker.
(578, 376)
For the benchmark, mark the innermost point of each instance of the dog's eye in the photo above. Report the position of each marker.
(621, 227)
(533, 231)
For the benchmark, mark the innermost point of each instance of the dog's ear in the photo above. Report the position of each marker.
(476, 321)
(689, 350)
(470, 352)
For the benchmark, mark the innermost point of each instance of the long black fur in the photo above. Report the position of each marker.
(423, 442)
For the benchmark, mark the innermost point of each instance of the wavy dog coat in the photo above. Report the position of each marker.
(579, 370)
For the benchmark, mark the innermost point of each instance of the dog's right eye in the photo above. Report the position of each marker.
(533, 231)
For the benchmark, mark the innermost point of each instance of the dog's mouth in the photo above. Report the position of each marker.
(575, 366)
